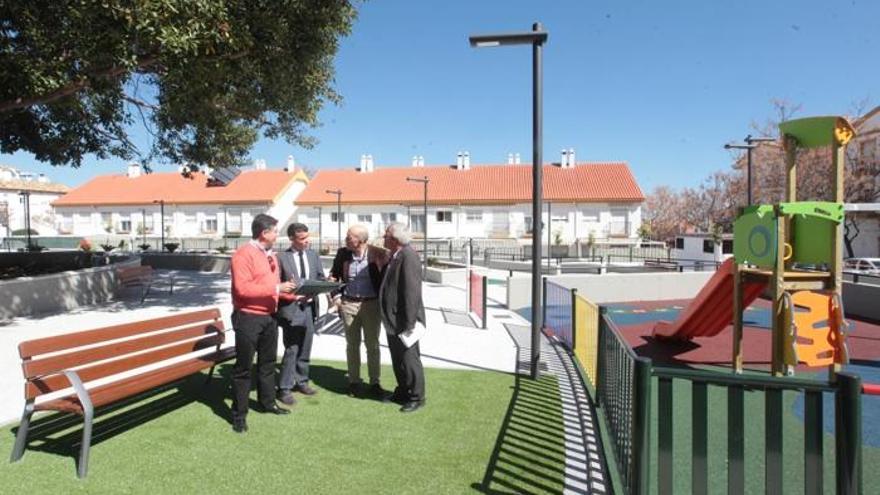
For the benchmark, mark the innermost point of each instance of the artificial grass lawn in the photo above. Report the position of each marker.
(480, 432)
(793, 443)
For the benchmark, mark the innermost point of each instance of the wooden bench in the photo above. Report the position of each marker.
(76, 360)
(142, 277)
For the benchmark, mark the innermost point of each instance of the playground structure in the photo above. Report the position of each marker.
(790, 251)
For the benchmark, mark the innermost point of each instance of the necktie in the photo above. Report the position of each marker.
(302, 266)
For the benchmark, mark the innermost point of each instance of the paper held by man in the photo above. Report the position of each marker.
(309, 288)
(410, 337)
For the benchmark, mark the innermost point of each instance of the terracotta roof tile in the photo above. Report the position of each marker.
(481, 184)
(251, 186)
(33, 186)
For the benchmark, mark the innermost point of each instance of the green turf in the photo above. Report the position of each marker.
(480, 432)
(793, 444)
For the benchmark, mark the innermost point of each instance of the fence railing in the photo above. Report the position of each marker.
(622, 383)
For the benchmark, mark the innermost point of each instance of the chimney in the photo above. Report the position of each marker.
(134, 170)
(291, 164)
(466, 162)
(563, 162)
(510, 158)
(421, 161)
(42, 179)
(459, 161)
(369, 163)
(415, 161)
(363, 167)
(516, 159)
(571, 161)
(259, 164)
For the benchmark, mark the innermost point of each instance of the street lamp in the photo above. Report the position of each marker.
(26, 201)
(338, 193)
(161, 203)
(536, 37)
(320, 233)
(144, 225)
(424, 180)
(749, 146)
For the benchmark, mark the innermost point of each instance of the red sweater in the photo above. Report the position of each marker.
(254, 280)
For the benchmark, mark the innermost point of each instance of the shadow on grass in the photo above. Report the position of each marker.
(60, 433)
(529, 452)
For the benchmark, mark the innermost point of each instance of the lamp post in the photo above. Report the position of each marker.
(424, 180)
(144, 225)
(338, 193)
(549, 230)
(320, 233)
(161, 203)
(26, 201)
(536, 37)
(749, 146)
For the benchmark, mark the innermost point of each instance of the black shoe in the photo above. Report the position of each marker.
(412, 405)
(275, 410)
(354, 390)
(377, 392)
(304, 389)
(396, 398)
(239, 425)
(286, 397)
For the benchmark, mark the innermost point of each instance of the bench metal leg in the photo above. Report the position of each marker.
(210, 375)
(83, 466)
(21, 436)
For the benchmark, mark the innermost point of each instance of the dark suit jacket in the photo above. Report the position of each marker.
(377, 258)
(292, 312)
(400, 297)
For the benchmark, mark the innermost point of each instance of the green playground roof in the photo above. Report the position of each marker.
(814, 132)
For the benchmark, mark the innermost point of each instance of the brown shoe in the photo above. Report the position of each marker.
(286, 397)
(305, 389)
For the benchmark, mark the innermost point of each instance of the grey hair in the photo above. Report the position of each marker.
(360, 231)
(400, 232)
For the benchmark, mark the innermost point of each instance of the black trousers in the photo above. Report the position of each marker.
(407, 363)
(297, 351)
(253, 334)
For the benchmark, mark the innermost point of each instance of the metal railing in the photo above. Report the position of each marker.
(557, 311)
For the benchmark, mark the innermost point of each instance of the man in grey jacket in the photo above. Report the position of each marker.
(296, 314)
(401, 308)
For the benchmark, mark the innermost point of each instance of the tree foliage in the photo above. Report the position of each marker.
(205, 77)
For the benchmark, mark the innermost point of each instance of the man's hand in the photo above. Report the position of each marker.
(286, 287)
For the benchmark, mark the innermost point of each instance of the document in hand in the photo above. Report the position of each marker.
(410, 337)
(311, 288)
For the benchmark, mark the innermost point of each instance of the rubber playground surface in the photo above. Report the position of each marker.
(636, 320)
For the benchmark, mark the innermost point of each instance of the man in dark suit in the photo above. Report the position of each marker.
(401, 307)
(296, 314)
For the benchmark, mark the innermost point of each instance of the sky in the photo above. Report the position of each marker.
(661, 85)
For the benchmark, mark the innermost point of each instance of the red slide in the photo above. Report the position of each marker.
(712, 310)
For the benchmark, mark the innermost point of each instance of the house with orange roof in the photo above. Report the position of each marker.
(601, 200)
(208, 205)
(22, 191)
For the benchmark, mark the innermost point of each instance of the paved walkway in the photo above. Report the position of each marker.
(453, 342)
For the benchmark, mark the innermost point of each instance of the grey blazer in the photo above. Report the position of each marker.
(400, 296)
(290, 312)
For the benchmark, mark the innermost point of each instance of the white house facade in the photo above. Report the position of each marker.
(601, 201)
(21, 190)
(138, 204)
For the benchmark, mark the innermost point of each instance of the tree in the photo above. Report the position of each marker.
(662, 213)
(205, 77)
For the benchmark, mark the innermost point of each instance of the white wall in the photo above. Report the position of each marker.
(42, 216)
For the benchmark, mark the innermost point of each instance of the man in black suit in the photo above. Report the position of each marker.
(296, 314)
(402, 310)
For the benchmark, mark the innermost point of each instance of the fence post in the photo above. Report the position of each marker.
(848, 436)
(543, 302)
(573, 319)
(630, 254)
(485, 296)
(600, 355)
(641, 460)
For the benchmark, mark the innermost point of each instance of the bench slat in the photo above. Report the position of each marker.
(68, 360)
(127, 387)
(57, 343)
(53, 383)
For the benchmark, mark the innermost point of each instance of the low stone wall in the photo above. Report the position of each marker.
(218, 263)
(68, 290)
(614, 287)
(456, 277)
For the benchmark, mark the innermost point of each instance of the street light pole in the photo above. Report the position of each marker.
(749, 146)
(26, 201)
(536, 37)
(144, 225)
(424, 180)
(161, 203)
(320, 232)
(338, 193)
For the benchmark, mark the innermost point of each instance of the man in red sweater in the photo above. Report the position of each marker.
(256, 285)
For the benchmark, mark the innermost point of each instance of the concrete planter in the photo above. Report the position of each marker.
(218, 263)
(62, 291)
(447, 274)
